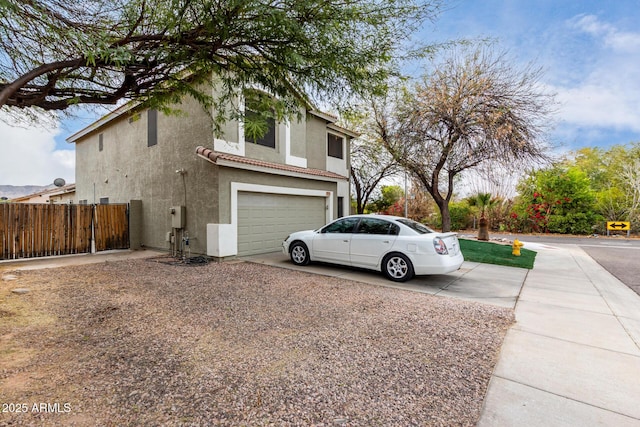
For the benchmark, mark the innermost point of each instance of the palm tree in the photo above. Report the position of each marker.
(484, 201)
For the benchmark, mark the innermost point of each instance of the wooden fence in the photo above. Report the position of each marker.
(111, 227)
(39, 230)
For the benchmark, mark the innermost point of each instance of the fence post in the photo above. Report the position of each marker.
(135, 224)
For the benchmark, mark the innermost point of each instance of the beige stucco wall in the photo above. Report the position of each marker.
(299, 137)
(63, 198)
(316, 143)
(128, 169)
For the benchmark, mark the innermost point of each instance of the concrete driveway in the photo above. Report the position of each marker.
(485, 283)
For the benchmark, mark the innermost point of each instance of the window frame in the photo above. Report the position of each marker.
(339, 141)
(269, 139)
(152, 127)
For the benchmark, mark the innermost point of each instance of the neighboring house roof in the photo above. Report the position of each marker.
(224, 159)
(70, 188)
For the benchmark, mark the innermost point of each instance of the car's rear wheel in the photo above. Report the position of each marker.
(397, 267)
(299, 253)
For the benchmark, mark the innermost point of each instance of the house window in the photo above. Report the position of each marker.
(340, 207)
(335, 146)
(152, 128)
(100, 142)
(104, 200)
(257, 125)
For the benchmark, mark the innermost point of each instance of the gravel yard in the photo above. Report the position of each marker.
(141, 342)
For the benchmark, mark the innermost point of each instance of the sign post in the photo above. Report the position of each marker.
(619, 225)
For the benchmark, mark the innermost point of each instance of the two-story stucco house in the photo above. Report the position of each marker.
(225, 195)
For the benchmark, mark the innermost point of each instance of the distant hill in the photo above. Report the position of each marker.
(13, 191)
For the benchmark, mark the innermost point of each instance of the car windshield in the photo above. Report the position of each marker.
(416, 226)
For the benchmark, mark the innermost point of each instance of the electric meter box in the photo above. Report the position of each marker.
(178, 216)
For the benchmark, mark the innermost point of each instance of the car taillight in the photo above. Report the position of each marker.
(440, 247)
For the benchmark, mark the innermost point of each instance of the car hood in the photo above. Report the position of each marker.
(300, 234)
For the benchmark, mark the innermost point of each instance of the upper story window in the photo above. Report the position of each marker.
(152, 128)
(264, 126)
(335, 146)
(259, 121)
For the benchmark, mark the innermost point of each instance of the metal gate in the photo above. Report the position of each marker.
(29, 230)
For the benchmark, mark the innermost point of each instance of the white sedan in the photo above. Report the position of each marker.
(399, 247)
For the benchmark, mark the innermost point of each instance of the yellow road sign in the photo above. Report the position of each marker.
(619, 225)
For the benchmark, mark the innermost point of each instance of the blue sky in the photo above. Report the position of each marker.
(590, 51)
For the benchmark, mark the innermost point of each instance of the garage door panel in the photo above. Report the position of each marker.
(264, 220)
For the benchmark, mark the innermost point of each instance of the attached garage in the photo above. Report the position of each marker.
(265, 219)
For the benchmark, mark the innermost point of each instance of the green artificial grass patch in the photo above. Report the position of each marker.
(494, 253)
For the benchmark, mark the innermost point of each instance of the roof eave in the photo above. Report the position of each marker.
(102, 121)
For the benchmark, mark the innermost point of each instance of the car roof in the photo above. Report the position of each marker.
(387, 217)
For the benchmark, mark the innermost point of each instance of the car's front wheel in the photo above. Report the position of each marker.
(299, 253)
(397, 267)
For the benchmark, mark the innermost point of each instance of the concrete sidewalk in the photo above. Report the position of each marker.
(573, 357)
(76, 259)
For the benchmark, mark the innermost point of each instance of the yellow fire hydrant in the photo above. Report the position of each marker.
(517, 244)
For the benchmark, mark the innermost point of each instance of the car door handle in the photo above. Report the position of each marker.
(385, 241)
(346, 241)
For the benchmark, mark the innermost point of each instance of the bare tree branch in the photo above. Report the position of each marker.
(473, 108)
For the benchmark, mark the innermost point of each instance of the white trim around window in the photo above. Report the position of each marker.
(230, 147)
(336, 164)
(289, 159)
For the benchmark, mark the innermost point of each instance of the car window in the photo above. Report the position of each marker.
(377, 226)
(416, 226)
(345, 225)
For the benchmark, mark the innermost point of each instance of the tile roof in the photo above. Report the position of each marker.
(214, 156)
(56, 191)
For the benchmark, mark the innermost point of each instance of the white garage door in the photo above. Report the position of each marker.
(264, 220)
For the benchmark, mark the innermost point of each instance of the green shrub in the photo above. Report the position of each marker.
(461, 215)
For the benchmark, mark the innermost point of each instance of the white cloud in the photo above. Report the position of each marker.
(590, 24)
(618, 40)
(599, 105)
(30, 157)
(605, 94)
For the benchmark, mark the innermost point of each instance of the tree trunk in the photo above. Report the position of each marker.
(359, 205)
(443, 205)
(483, 231)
